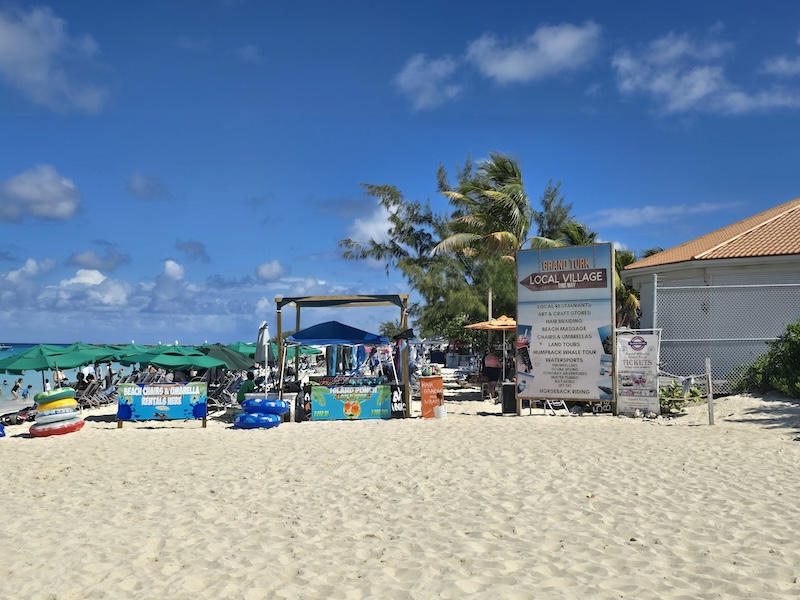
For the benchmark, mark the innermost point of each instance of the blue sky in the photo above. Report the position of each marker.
(167, 168)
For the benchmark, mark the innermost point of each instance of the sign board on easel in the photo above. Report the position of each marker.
(637, 371)
(432, 395)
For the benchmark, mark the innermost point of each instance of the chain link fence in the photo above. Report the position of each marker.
(730, 324)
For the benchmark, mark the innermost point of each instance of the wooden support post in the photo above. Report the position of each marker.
(710, 392)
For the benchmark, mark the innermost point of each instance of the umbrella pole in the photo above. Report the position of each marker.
(280, 381)
(504, 358)
(396, 378)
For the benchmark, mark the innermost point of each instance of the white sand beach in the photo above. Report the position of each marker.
(476, 505)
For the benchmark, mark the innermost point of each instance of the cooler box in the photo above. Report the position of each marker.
(509, 397)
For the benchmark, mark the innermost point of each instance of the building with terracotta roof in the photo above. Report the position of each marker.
(725, 294)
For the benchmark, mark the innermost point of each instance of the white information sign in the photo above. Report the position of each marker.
(637, 372)
(565, 308)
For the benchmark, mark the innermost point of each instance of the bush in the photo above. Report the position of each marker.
(778, 369)
(672, 397)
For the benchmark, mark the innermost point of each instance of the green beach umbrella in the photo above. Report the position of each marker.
(173, 357)
(45, 357)
(102, 353)
(234, 360)
(246, 348)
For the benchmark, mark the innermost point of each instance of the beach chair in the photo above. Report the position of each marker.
(107, 395)
(86, 398)
(223, 396)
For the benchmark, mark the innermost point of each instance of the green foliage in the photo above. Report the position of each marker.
(778, 369)
(627, 298)
(390, 328)
(491, 211)
(555, 217)
(672, 397)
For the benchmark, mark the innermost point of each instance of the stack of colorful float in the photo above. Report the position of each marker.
(261, 413)
(56, 413)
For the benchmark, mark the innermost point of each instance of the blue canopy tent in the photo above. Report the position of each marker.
(335, 333)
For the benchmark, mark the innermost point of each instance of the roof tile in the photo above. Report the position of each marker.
(773, 232)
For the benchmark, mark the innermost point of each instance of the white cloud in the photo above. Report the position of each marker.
(173, 270)
(264, 306)
(783, 66)
(110, 293)
(428, 83)
(648, 215)
(682, 75)
(270, 271)
(147, 187)
(310, 286)
(90, 288)
(171, 292)
(30, 270)
(41, 59)
(85, 277)
(548, 51)
(374, 227)
(39, 193)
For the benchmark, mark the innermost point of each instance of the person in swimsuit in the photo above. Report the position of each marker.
(492, 368)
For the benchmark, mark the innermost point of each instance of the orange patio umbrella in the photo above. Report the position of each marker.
(501, 323)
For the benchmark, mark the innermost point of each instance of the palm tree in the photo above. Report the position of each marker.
(627, 299)
(577, 234)
(493, 214)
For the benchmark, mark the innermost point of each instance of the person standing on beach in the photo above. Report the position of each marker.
(15, 388)
(491, 370)
(47, 387)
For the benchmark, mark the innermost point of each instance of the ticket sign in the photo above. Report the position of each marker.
(637, 372)
(565, 317)
(432, 393)
(161, 401)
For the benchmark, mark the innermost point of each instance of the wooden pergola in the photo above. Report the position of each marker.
(376, 300)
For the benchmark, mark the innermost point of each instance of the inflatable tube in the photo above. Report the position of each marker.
(57, 404)
(256, 421)
(56, 394)
(54, 416)
(265, 406)
(59, 428)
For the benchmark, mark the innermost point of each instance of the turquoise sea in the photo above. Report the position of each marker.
(34, 378)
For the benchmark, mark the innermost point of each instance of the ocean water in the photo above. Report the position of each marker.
(34, 378)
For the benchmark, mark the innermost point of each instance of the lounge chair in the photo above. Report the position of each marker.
(224, 395)
(86, 397)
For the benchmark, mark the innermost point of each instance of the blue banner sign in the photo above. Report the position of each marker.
(351, 402)
(161, 401)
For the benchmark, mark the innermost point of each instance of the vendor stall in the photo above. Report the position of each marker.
(362, 300)
(357, 392)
